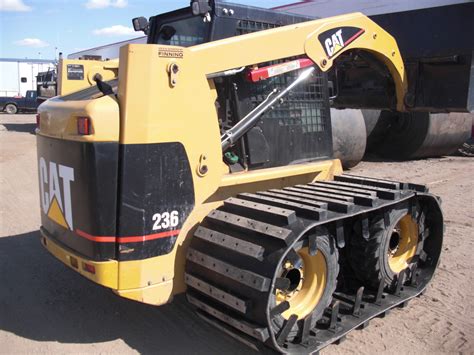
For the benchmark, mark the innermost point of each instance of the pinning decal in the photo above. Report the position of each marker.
(170, 52)
(337, 38)
(55, 192)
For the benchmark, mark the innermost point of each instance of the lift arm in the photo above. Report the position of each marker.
(323, 41)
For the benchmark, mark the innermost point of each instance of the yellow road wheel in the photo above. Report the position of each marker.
(311, 280)
(390, 247)
(307, 284)
(402, 244)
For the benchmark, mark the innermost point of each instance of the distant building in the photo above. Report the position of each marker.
(19, 75)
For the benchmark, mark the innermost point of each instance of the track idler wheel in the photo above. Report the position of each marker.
(304, 284)
(389, 246)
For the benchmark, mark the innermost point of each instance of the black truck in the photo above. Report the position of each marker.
(17, 104)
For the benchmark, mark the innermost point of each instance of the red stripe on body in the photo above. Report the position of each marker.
(354, 37)
(129, 239)
(145, 238)
(94, 238)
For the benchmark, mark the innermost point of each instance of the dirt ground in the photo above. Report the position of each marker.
(46, 308)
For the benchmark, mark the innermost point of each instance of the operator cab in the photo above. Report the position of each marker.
(296, 130)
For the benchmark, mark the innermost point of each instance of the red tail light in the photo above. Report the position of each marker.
(89, 268)
(83, 126)
(38, 120)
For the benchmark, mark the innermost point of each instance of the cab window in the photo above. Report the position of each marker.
(184, 32)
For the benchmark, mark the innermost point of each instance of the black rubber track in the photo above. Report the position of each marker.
(235, 254)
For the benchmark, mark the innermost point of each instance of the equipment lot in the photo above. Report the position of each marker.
(45, 308)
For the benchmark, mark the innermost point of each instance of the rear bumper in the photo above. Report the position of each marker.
(106, 272)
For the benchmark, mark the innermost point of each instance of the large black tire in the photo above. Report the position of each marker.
(11, 109)
(369, 258)
(326, 246)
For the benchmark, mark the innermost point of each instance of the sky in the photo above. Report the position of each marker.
(40, 29)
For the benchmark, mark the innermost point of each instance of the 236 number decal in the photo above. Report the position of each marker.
(165, 220)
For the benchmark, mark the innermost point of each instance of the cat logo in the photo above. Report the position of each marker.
(55, 196)
(334, 43)
(336, 39)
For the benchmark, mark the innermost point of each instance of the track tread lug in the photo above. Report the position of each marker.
(386, 194)
(250, 225)
(273, 215)
(341, 241)
(357, 198)
(364, 325)
(301, 209)
(404, 304)
(312, 192)
(333, 205)
(342, 188)
(379, 296)
(226, 241)
(306, 329)
(285, 331)
(216, 293)
(255, 331)
(358, 302)
(362, 180)
(251, 343)
(312, 244)
(334, 316)
(245, 277)
(365, 228)
(292, 198)
(279, 309)
(399, 282)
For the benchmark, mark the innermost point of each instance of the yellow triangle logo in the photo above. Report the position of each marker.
(56, 214)
(337, 48)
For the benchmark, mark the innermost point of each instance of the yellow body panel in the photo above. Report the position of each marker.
(157, 108)
(156, 294)
(107, 69)
(59, 119)
(106, 272)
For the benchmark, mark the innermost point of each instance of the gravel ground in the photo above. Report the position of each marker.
(46, 308)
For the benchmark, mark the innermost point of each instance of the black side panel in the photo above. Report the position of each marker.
(81, 180)
(437, 46)
(431, 32)
(156, 195)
